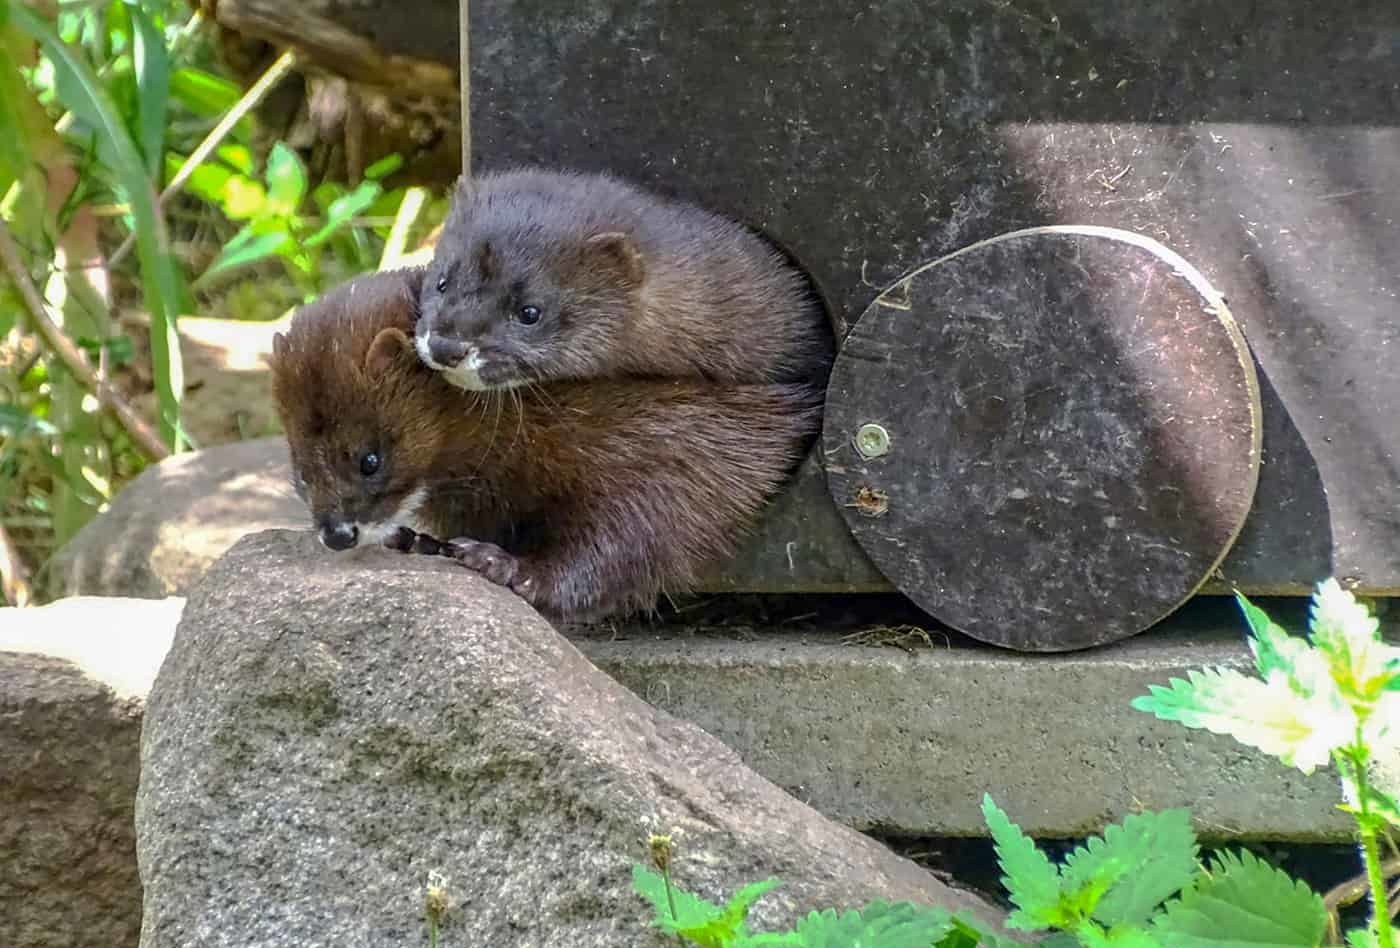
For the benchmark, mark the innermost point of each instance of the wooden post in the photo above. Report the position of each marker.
(463, 28)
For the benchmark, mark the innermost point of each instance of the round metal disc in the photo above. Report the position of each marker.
(1047, 440)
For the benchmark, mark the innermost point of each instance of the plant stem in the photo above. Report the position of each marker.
(242, 107)
(69, 354)
(1370, 850)
(670, 899)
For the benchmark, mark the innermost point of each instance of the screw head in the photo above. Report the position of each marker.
(872, 441)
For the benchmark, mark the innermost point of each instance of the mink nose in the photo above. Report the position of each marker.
(339, 536)
(445, 350)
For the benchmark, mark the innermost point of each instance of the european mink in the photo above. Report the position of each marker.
(544, 276)
(585, 498)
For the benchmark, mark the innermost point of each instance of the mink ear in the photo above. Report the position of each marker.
(388, 346)
(615, 252)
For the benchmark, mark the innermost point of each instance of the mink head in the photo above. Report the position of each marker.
(359, 409)
(519, 292)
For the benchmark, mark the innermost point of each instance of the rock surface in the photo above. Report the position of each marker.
(327, 730)
(73, 678)
(164, 530)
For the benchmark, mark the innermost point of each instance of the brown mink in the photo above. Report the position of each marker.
(586, 498)
(544, 275)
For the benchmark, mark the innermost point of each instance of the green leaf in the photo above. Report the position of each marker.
(204, 93)
(1271, 716)
(1031, 879)
(1130, 937)
(1274, 649)
(1121, 878)
(153, 83)
(690, 909)
(1243, 902)
(207, 182)
(878, 925)
(249, 245)
(238, 157)
(342, 210)
(243, 198)
(286, 179)
(723, 929)
(160, 281)
(383, 167)
(1384, 805)
(1362, 665)
(1362, 938)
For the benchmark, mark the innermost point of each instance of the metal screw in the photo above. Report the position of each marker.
(872, 441)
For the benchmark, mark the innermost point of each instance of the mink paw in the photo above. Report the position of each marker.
(485, 558)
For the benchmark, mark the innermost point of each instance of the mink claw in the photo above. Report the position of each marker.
(485, 558)
(401, 540)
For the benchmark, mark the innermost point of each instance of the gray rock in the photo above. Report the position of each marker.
(326, 731)
(73, 679)
(164, 529)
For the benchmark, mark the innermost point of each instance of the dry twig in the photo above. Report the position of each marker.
(72, 357)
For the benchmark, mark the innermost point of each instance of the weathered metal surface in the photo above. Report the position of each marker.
(1070, 436)
(1257, 140)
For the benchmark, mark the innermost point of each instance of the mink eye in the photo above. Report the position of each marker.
(369, 463)
(529, 315)
(442, 283)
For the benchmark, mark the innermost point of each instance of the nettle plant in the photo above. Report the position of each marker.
(1332, 698)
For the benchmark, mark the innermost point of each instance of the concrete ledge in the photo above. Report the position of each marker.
(906, 743)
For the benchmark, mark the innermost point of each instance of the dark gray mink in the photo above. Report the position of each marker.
(586, 498)
(543, 275)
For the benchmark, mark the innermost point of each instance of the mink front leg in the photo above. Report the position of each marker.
(488, 559)
(610, 553)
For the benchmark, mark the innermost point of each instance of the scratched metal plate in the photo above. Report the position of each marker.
(1048, 440)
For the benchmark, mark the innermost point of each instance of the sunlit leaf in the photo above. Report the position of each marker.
(343, 210)
(286, 179)
(249, 245)
(1345, 631)
(236, 156)
(1301, 730)
(204, 93)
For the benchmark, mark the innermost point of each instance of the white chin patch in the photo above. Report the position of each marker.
(467, 373)
(373, 534)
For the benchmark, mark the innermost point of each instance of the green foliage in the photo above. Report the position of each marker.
(80, 90)
(1333, 697)
(1242, 901)
(1109, 889)
(1031, 879)
(274, 208)
(876, 925)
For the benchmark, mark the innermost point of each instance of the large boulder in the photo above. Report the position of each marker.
(164, 529)
(328, 730)
(73, 681)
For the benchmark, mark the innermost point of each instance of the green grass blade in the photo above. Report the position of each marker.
(84, 94)
(152, 84)
(204, 93)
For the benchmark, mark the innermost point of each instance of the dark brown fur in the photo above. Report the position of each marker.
(627, 284)
(586, 498)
